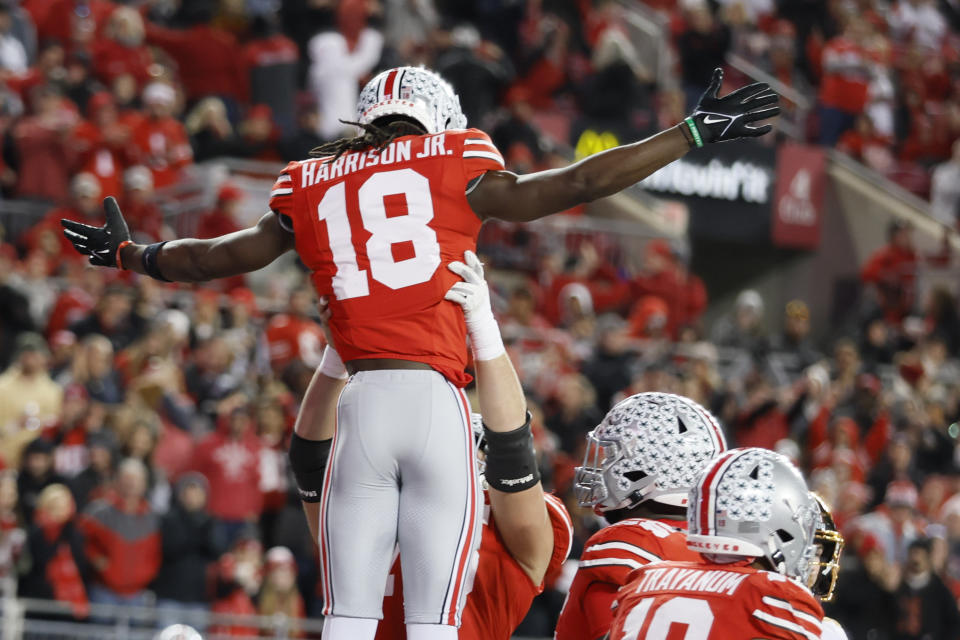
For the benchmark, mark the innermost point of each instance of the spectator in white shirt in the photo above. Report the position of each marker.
(918, 21)
(945, 189)
(338, 61)
(13, 55)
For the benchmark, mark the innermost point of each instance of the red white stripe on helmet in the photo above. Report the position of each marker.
(716, 433)
(707, 490)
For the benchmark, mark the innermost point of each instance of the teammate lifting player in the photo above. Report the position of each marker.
(374, 218)
(526, 535)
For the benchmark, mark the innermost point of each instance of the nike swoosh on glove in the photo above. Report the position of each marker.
(99, 243)
(731, 117)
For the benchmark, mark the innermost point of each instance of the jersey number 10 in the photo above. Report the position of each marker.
(350, 281)
(692, 612)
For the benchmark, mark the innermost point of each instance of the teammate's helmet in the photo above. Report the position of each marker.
(178, 632)
(414, 92)
(754, 502)
(650, 446)
(829, 544)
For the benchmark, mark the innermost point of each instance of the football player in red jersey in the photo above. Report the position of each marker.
(518, 546)
(640, 464)
(753, 520)
(374, 218)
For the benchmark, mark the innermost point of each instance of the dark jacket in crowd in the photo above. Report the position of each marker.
(928, 612)
(190, 544)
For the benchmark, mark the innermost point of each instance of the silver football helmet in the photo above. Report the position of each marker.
(650, 446)
(754, 502)
(414, 92)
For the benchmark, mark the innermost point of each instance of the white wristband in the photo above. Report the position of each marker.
(331, 365)
(485, 337)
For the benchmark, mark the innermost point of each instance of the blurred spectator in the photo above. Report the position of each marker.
(294, 335)
(190, 547)
(271, 59)
(665, 275)
(58, 565)
(846, 79)
(13, 53)
(95, 371)
(339, 59)
(208, 58)
(14, 306)
(478, 70)
(230, 460)
(705, 41)
(123, 540)
(120, 49)
(70, 433)
(31, 400)
(945, 190)
(925, 607)
(864, 143)
(39, 150)
(222, 219)
(12, 535)
(84, 206)
(161, 139)
(918, 21)
(744, 327)
(258, 135)
(113, 317)
(279, 595)
(518, 129)
(891, 272)
(304, 138)
(865, 603)
(793, 348)
(211, 134)
(575, 413)
(78, 84)
(36, 474)
(94, 482)
(231, 598)
(103, 144)
(139, 207)
(609, 369)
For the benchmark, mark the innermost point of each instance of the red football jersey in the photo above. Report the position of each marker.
(608, 558)
(714, 602)
(502, 591)
(378, 231)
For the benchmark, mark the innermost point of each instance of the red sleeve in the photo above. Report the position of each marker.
(876, 441)
(875, 266)
(597, 605)
(479, 154)
(281, 195)
(562, 534)
(181, 152)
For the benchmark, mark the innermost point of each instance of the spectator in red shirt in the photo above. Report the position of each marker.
(84, 206)
(139, 207)
(845, 83)
(230, 459)
(891, 272)
(271, 60)
(666, 276)
(293, 335)
(74, 22)
(123, 540)
(120, 50)
(41, 145)
(221, 219)
(866, 145)
(209, 59)
(102, 143)
(160, 138)
(231, 599)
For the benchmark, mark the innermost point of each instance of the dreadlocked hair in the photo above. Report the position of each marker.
(376, 135)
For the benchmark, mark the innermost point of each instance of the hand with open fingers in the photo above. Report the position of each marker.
(731, 117)
(100, 243)
(472, 294)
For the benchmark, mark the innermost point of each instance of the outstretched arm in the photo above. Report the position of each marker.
(520, 515)
(505, 195)
(185, 260)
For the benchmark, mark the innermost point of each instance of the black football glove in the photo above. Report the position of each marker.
(100, 243)
(728, 118)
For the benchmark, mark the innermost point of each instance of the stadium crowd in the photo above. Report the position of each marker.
(143, 427)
